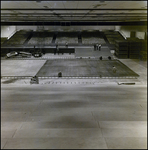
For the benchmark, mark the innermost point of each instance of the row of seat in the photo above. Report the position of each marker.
(44, 38)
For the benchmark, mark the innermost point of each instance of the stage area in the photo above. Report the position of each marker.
(85, 68)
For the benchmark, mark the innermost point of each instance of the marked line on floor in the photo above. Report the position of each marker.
(52, 82)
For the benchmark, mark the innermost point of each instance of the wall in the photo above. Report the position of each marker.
(126, 31)
(140, 35)
(26, 28)
(67, 28)
(7, 31)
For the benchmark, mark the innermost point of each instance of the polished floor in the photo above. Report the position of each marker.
(62, 113)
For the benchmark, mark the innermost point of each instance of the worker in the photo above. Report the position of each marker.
(57, 48)
(114, 69)
(66, 44)
(99, 47)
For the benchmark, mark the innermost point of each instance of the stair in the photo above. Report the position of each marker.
(28, 38)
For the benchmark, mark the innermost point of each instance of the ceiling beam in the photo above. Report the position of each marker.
(72, 0)
(75, 23)
(70, 9)
(34, 16)
(10, 13)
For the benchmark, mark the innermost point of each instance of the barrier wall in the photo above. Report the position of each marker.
(67, 28)
(7, 31)
(5, 50)
(126, 31)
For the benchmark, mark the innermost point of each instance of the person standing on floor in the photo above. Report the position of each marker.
(99, 47)
(66, 44)
(114, 69)
(94, 46)
(57, 48)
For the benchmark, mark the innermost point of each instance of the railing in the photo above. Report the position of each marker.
(66, 77)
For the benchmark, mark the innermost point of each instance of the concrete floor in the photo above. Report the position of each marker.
(84, 68)
(73, 113)
(90, 52)
(10, 67)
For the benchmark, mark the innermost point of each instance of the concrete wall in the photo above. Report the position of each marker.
(66, 28)
(26, 28)
(7, 31)
(140, 31)
(140, 35)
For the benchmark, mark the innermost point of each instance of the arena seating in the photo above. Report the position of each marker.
(43, 38)
(18, 38)
(40, 40)
(112, 36)
(92, 38)
(3, 40)
(31, 38)
(70, 37)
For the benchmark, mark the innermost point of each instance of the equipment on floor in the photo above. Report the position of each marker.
(11, 54)
(24, 54)
(34, 80)
(37, 54)
(60, 74)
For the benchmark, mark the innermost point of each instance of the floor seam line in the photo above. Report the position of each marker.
(5, 144)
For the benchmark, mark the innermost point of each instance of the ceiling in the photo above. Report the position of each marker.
(73, 12)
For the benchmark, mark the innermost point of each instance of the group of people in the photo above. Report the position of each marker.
(57, 48)
(97, 46)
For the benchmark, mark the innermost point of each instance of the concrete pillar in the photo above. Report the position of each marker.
(132, 34)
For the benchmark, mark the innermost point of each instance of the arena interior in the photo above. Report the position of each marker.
(73, 74)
